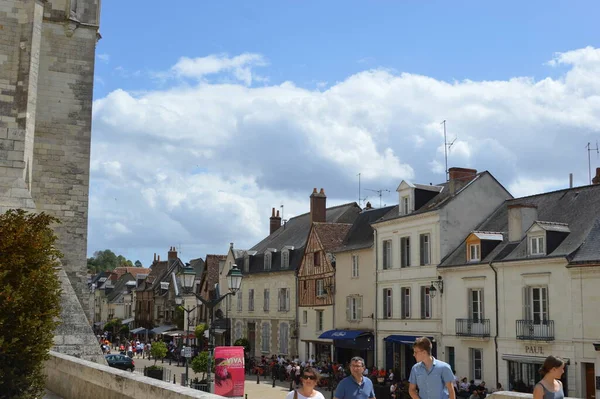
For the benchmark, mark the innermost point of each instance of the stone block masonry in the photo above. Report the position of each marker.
(47, 55)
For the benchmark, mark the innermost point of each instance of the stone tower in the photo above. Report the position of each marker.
(47, 54)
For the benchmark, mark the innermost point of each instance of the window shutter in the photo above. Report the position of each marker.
(423, 304)
(481, 305)
(422, 249)
(527, 303)
(385, 303)
(359, 308)
(470, 303)
(545, 302)
(348, 308)
(287, 299)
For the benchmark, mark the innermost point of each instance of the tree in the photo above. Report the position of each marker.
(199, 331)
(138, 264)
(29, 301)
(158, 350)
(179, 317)
(243, 342)
(106, 260)
(200, 364)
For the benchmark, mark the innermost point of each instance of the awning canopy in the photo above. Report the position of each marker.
(530, 359)
(404, 339)
(139, 330)
(127, 321)
(162, 329)
(343, 334)
(175, 333)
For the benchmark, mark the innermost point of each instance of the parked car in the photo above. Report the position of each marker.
(120, 361)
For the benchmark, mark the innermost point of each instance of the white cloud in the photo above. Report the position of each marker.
(105, 58)
(201, 165)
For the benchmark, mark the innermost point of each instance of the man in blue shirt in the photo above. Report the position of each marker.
(355, 386)
(433, 378)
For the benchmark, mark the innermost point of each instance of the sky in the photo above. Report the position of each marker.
(207, 115)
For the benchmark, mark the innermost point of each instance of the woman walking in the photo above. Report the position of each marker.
(550, 386)
(310, 378)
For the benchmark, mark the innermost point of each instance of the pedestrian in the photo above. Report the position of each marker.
(550, 386)
(355, 386)
(310, 379)
(432, 377)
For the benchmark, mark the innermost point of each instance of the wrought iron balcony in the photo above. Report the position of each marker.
(535, 330)
(473, 327)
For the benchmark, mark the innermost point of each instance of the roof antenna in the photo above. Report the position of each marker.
(379, 192)
(589, 150)
(358, 189)
(282, 219)
(447, 146)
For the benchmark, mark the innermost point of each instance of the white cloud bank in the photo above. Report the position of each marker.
(202, 165)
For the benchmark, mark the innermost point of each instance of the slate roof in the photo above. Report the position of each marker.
(437, 202)
(294, 233)
(198, 265)
(120, 287)
(133, 270)
(361, 234)
(578, 208)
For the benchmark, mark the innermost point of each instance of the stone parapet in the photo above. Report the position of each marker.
(511, 395)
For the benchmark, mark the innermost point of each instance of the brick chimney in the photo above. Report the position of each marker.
(274, 222)
(459, 177)
(596, 180)
(318, 204)
(172, 255)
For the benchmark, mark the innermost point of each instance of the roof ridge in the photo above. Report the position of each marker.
(326, 209)
(587, 187)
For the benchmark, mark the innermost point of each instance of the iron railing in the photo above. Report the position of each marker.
(535, 330)
(473, 327)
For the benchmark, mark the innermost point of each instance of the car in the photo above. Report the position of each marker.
(120, 362)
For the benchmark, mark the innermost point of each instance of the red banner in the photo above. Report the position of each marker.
(229, 371)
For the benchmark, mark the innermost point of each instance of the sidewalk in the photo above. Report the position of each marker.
(264, 390)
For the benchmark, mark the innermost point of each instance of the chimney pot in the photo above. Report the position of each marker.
(314, 190)
(596, 180)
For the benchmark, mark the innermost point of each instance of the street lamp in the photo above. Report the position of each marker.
(439, 283)
(234, 280)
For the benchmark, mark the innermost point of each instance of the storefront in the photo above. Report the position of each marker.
(523, 372)
(351, 343)
(399, 353)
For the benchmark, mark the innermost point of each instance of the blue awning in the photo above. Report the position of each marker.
(127, 321)
(404, 339)
(342, 334)
(139, 330)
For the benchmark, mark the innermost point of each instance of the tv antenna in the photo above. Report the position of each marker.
(359, 188)
(589, 150)
(379, 193)
(447, 147)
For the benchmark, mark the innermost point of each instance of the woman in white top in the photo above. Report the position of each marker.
(310, 378)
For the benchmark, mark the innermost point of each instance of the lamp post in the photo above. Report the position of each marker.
(187, 310)
(234, 280)
(439, 283)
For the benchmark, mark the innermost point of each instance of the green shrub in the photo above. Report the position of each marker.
(243, 342)
(200, 364)
(158, 350)
(29, 301)
(199, 331)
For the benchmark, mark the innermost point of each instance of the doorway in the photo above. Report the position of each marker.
(590, 378)
(252, 337)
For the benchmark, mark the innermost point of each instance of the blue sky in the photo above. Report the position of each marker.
(222, 110)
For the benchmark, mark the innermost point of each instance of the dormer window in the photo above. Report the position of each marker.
(405, 205)
(536, 245)
(267, 265)
(285, 259)
(474, 252)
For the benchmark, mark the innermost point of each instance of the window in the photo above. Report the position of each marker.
(250, 300)
(285, 259)
(237, 334)
(425, 249)
(536, 245)
(405, 303)
(317, 258)
(267, 261)
(319, 320)
(387, 254)
(476, 305)
(284, 299)
(266, 337)
(266, 299)
(474, 252)
(476, 356)
(535, 304)
(405, 204)
(450, 357)
(387, 303)
(425, 303)
(354, 266)
(405, 252)
(239, 300)
(284, 334)
(354, 308)
(304, 316)
(320, 287)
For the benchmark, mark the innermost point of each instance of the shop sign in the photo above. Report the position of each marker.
(534, 350)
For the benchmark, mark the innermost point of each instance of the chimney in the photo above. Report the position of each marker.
(318, 204)
(459, 177)
(570, 180)
(368, 206)
(172, 255)
(520, 219)
(596, 180)
(155, 257)
(274, 222)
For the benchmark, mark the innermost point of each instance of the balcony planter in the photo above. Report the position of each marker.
(155, 372)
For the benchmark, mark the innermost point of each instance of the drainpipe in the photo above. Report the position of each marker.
(375, 341)
(297, 339)
(497, 318)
